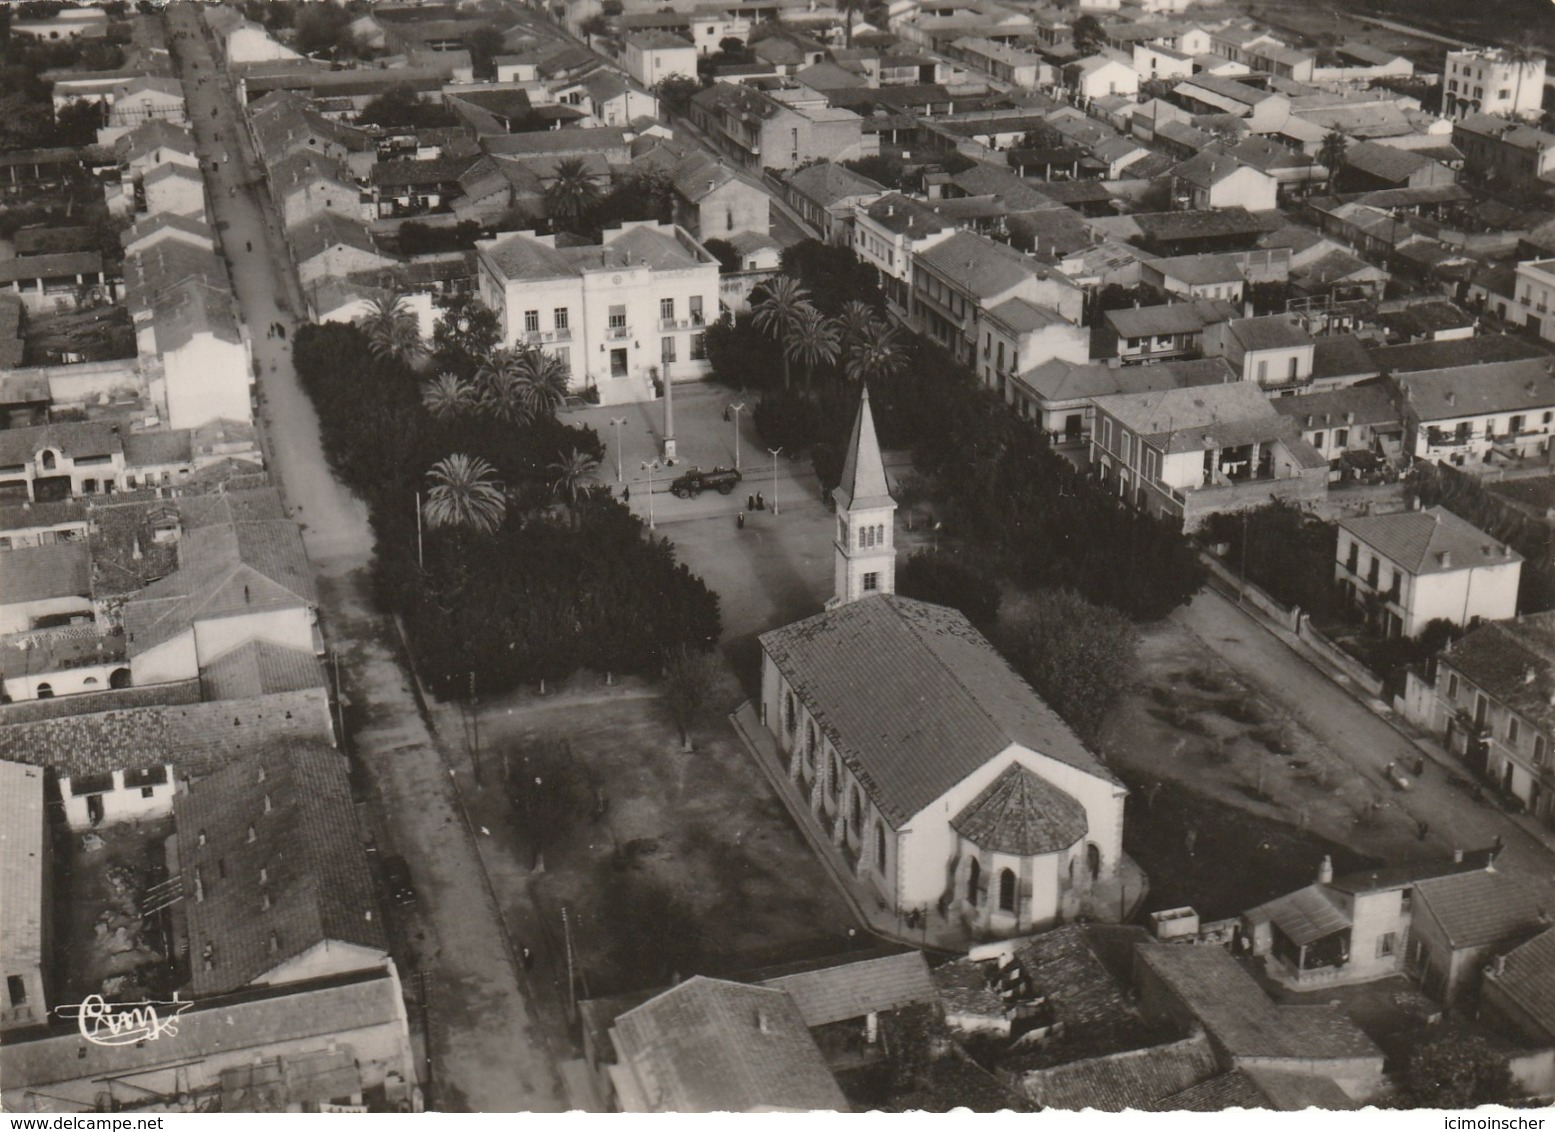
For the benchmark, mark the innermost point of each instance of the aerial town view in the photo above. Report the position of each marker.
(776, 555)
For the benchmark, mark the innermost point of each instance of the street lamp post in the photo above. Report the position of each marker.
(618, 422)
(650, 466)
(775, 453)
(737, 410)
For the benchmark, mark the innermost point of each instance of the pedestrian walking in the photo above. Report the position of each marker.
(1421, 829)
(528, 958)
(726, 412)
(761, 504)
(739, 521)
(1419, 767)
(626, 494)
(750, 503)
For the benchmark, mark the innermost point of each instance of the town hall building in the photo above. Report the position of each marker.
(946, 784)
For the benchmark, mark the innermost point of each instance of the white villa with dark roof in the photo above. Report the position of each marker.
(620, 316)
(1414, 567)
(1471, 414)
(942, 781)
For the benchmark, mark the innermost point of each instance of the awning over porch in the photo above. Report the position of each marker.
(1304, 916)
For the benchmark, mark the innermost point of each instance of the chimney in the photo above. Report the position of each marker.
(1445, 558)
(1325, 871)
(1457, 856)
(762, 1022)
(1452, 398)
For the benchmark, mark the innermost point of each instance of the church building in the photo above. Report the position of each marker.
(945, 783)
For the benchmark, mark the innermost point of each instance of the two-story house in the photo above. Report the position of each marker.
(825, 195)
(1362, 418)
(1185, 454)
(620, 316)
(653, 55)
(1273, 350)
(712, 201)
(1019, 328)
(778, 129)
(1491, 697)
(1535, 297)
(1410, 568)
(1498, 150)
(958, 278)
(1135, 335)
(1474, 413)
(306, 184)
(888, 234)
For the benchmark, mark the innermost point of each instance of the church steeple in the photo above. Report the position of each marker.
(866, 542)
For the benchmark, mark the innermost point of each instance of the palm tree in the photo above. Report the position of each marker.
(778, 315)
(542, 382)
(813, 342)
(572, 193)
(856, 323)
(1330, 154)
(393, 332)
(465, 495)
(448, 396)
(1522, 56)
(878, 355)
(572, 472)
(502, 392)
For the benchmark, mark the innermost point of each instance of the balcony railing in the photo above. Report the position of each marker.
(536, 337)
(616, 333)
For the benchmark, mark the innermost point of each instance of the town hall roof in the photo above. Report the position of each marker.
(915, 699)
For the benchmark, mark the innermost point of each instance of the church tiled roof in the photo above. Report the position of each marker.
(1022, 814)
(915, 699)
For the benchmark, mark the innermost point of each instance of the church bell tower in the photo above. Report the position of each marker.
(866, 513)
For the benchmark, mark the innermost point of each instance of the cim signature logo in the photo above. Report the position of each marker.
(125, 1023)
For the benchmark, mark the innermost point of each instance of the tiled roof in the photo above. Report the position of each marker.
(713, 1046)
(1056, 380)
(1514, 663)
(1132, 1079)
(27, 268)
(1527, 978)
(194, 737)
(1481, 349)
(1229, 89)
(1427, 318)
(1183, 420)
(1505, 131)
(1433, 541)
(194, 307)
(852, 990)
(315, 236)
(1198, 270)
(286, 811)
(571, 140)
(980, 266)
(699, 175)
(158, 448)
(1198, 224)
(1217, 1094)
(1021, 814)
(1386, 162)
(261, 1024)
(1208, 169)
(1270, 332)
(827, 183)
(38, 573)
(1304, 916)
(109, 699)
(1021, 316)
(1335, 267)
(1411, 873)
(1367, 404)
(1013, 192)
(941, 701)
(1479, 908)
(23, 851)
(257, 668)
(1241, 1018)
(223, 569)
(1171, 318)
(152, 134)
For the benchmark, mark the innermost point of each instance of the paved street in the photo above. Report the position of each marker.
(1358, 735)
(485, 1051)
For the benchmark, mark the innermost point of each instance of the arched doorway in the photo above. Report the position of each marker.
(119, 678)
(1093, 860)
(1007, 890)
(974, 876)
(45, 691)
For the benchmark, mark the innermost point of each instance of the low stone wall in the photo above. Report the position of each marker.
(1304, 490)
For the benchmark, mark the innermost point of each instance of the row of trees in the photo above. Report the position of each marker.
(502, 558)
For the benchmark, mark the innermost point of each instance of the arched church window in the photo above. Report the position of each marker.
(880, 845)
(856, 818)
(1007, 891)
(974, 876)
(788, 712)
(834, 774)
(48, 460)
(880, 535)
(809, 751)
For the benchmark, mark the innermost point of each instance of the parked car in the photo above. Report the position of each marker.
(691, 484)
(396, 873)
